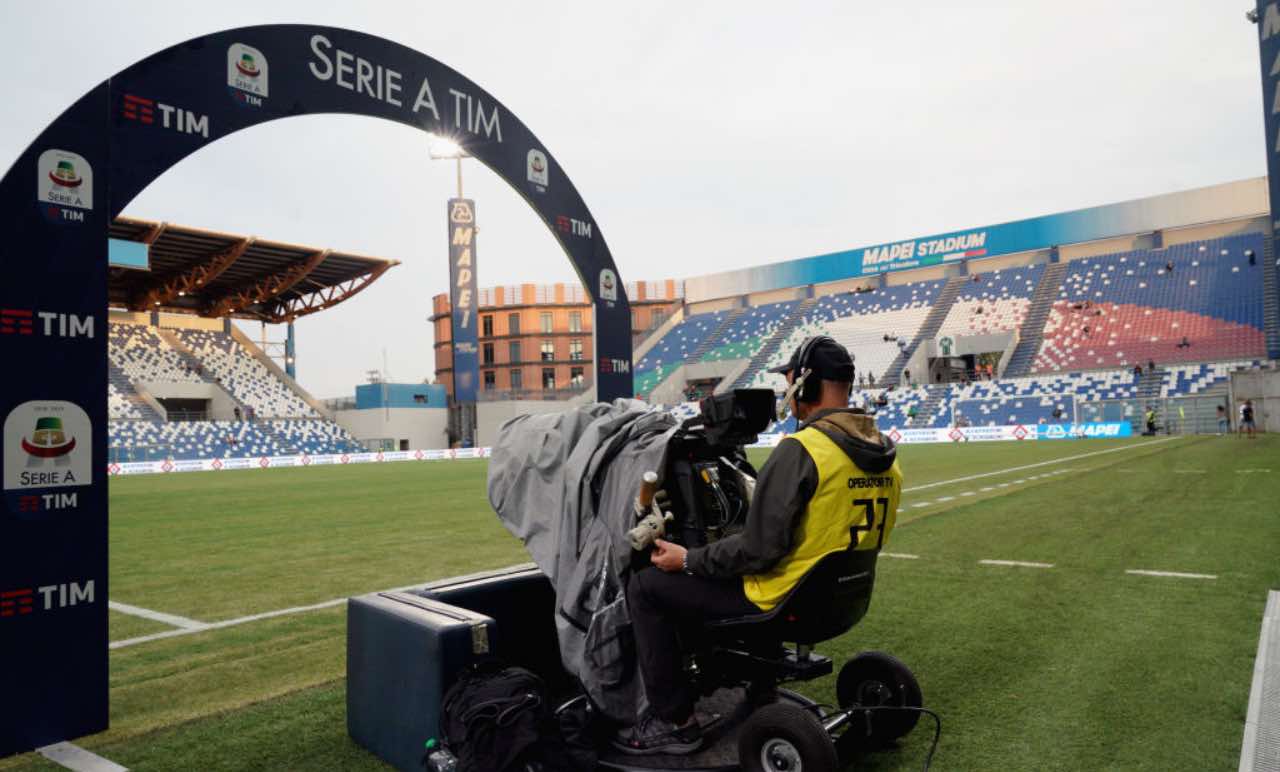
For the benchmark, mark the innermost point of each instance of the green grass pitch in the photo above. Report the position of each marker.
(1079, 666)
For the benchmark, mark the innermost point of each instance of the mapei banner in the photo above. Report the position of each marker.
(1083, 431)
(463, 299)
(1218, 202)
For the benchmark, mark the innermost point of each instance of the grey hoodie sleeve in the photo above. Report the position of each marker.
(787, 482)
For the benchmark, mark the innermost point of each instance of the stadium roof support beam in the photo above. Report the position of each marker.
(195, 278)
(317, 301)
(156, 231)
(267, 287)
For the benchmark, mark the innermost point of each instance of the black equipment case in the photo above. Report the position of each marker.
(403, 652)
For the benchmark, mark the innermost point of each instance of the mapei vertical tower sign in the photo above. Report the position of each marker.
(462, 298)
(56, 203)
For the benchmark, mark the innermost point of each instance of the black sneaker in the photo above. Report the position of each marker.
(656, 735)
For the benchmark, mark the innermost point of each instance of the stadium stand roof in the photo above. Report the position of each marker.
(216, 274)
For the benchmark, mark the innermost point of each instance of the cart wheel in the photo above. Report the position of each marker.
(876, 679)
(785, 738)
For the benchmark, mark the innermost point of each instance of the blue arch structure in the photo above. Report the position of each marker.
(56, 203)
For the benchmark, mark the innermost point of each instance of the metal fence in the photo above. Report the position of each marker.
(1174, 415)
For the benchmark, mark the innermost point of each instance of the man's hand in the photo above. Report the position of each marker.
(667, 556)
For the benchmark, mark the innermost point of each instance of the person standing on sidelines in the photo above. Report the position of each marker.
(1224, 425)
(1246, 419)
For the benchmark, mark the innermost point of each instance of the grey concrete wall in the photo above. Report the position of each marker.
(424, 428)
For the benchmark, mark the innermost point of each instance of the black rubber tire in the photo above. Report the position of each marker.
(791, 727)
(874, 678)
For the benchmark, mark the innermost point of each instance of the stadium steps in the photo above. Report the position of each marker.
(1148, 386)
(928, 409)
(771, 345)
(1032, 333)
(192, 360)
(932, 323)
(126, 388)
(713, 340)
(1270, 299)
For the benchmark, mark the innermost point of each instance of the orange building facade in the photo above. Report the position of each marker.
(535, 339)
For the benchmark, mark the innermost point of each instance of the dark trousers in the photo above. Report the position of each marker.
(662, 604)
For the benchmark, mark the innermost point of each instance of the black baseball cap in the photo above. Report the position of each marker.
(829, 360)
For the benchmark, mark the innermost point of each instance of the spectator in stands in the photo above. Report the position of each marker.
(1224, 425)
(1168, 267)
(251, 412)
(911, 413)
(883, 399)
(1184, 343)
(906, 377)
(1137, 370)
(871, 378)
(236, 410)
(1253, 259)
(1057, 412)
(1151, 366)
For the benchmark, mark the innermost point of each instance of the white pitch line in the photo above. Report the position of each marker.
(946, 498)
(986, 488)
(157, 616)
(899, 555)
(1017, 563)
(920, 504)
(1051, 462)
(302, 609)
(77, 759)
(1174, 574)
(967, 493)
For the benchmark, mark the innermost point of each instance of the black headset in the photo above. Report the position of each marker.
(804, 386)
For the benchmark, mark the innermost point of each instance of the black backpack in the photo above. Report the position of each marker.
(493, 717)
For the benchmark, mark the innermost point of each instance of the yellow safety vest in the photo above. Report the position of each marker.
(847, 501)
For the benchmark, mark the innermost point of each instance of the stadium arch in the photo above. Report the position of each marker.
(87, 166)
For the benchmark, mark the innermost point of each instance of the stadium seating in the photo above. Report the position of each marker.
(1129, 308)
(139, 354)
(149, 440)
(670, 351)
(993, 302)
(861, 322)
(145, 357)
(746, 334)
(313, 436)
(243, 376)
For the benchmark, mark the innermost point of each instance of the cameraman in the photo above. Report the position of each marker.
(800, 512)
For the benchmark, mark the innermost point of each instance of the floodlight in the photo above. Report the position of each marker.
(443, 147)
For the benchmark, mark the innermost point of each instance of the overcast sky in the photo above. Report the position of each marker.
(703, 136)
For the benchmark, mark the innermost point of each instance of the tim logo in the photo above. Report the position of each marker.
(147, 111)
(576, 227)
(608, 285)
(23, 601)
(64, 186)
(246, 75)
(21, 321)
(537, 170)
(47, 445)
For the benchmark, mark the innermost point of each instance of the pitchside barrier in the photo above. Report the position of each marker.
(899, 436)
